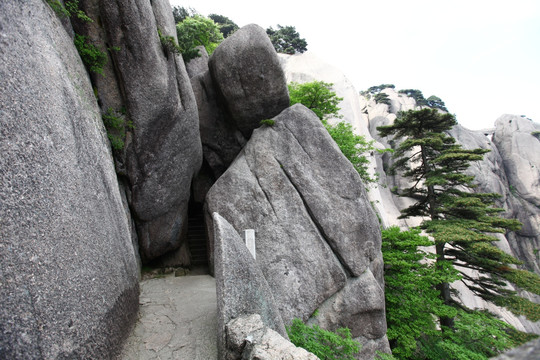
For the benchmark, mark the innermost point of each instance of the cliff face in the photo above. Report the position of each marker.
(76, 215)
(69, 274)
(509, 169)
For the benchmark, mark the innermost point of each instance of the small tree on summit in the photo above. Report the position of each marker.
(226, 25)
(287, 40)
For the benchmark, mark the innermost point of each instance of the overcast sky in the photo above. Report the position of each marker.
(482, 58)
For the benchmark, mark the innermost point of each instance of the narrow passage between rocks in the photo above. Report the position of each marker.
(177, 320)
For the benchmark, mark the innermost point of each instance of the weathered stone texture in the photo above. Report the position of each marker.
(314, 227)
(164, 151)
(246, 71)
(255, 341)
(69, 275)
(240, 285)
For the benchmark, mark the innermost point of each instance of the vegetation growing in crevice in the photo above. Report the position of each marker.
(267, 122)
(116, 126)
(169, 43)
(327, 345)
(91, 56)
(70, 9)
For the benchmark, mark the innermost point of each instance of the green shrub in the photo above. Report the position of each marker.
(382, 98)
(91, 56)
(327, 345)
(536, 134)
(116, 125)
(268, 122)
(70, 9)
(168, 43)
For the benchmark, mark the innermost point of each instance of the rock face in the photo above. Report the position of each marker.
(163, 149)
(528, 351)
(241, 287)
(284, 184)
(255, 341)
(69, 283)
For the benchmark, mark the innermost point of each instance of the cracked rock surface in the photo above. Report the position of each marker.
(177, 320)
(315, 230)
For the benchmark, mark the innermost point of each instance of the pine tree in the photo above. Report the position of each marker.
(461, 221)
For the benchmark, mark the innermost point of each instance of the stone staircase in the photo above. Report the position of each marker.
(197, 238)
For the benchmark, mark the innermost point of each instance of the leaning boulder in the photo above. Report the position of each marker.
(69, 275)
(313, 223)
(247, 73)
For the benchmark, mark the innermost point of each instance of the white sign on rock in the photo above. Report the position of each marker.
(249, 235)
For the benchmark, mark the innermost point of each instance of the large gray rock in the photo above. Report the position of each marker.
(314, 226)
(247, 74)
(359, 306)
(198, 65)
(528, 351)
(241, 287)
(255, 341)
(69, 276)
(163, 150)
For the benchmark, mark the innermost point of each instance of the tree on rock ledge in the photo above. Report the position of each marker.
(461, 222)
(287, 40)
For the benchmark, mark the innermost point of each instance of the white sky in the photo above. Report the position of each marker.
(482, 58)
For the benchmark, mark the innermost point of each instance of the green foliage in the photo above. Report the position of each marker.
(412, 301)
(435, 102)
(180, 13)
(325, 344)
(169, 43)
(477, 335)
(377, 89)
(317, 96)
(353, 147)
(536, 134)
(416, 95)
(267, 122)
(410, 277)
(116, 125)
(226, 25)
(455, 215)
(286, 40)
(382, 98)
(195, 31)
(70, 9)
(91, 56)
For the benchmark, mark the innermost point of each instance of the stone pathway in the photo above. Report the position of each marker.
(177, 320)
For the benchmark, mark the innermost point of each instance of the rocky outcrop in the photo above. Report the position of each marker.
(284, 184)
(241, 287)
(69, 283)
(528, 351)
(255, 341)
(247, 74)
(163, 149)
(243, 85)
